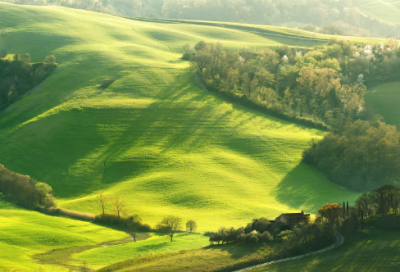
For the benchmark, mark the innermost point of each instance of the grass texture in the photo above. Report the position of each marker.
(377, 250)
(387, 11)
(104, 256)
(155, 135)
(203, 259)
(25, 233)
(385, 99)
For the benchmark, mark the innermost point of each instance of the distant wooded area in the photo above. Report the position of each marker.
(323, 16)
(18, 76)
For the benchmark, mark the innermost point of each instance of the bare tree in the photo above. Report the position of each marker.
(103, 200)
(191, 226)
(170, 225)
(119, 205)
(134, 223)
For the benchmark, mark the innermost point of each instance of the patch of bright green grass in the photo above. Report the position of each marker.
(26, 233)
(201, 259)
(100, 257)
(377, 250)
(385, 99)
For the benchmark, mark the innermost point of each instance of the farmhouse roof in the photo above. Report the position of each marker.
(296, 215)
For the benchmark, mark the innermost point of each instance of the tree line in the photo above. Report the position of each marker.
(365, 155)
(289, 240)
(122, 218)
(323, 86)
(25, 191)
(18, 75)
(296, 82)
(325, 16)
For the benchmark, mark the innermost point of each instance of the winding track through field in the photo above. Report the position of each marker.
(339, 242)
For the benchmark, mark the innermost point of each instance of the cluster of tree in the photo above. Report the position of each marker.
(328, 16)
(170, 225)
(25, 191)
(309, 235)
(121, 218)
(133, 223)
(383, 200)
(363, 156)
(17, 76)
(321, 84)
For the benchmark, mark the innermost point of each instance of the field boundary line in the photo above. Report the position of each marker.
(339, 242)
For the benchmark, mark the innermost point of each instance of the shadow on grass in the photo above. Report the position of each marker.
(304, 187)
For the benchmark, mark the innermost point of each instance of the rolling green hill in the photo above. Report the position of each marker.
(155, 135)
(384, 10)
(385, 99)
(25, 233)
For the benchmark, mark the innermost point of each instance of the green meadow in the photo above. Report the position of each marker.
(26, 233)
(384, 10)
(376, 250)
(154, 136)
(385, 99)
(105, 256)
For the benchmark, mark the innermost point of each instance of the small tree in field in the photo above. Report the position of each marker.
(104, 201)
(119, 205)
(49, 60)
(170, 225)
(134, 223)
(191, 226)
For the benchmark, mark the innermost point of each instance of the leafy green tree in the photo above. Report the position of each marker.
(45, 192)
(191, 226)
(170, 225)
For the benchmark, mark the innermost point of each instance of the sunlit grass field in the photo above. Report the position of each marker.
(384, 10)
(155, 135)
(100, 257)
(197, 260)
(385, 99)
(25, 233)
(377, 250)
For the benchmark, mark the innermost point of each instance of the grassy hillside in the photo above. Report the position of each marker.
(385, 99)
(25, 233)
(384, 10)
(101, 257)
(154, 135)
(376, 251)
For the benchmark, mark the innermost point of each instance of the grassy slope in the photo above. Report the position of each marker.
(387, 11)
(154, 135)
(376, 251)
(167, 145)
(385, 99)
(101, 257)
(25, 233)
(202, 259)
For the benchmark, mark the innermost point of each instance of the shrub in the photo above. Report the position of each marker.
(24, 190)
(120, 222)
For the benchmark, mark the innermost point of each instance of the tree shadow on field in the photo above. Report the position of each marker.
(304, 187)
(235, 251)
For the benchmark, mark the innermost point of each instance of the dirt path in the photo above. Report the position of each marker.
(339, 242)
